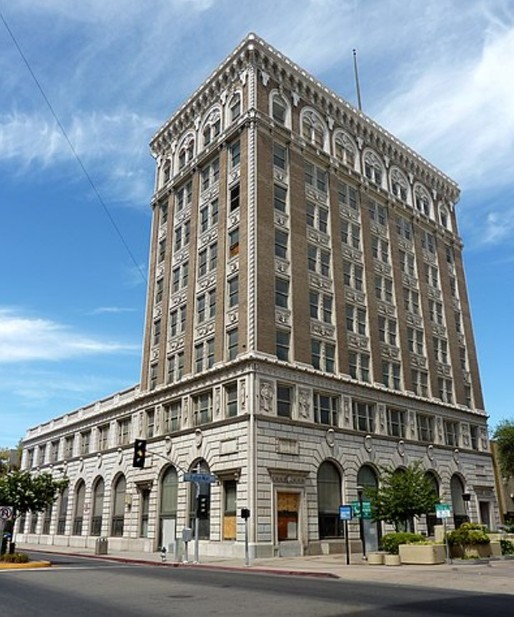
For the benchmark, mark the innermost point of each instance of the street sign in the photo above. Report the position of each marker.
(366, 509)
(345, 513)
(6, 513)
(201, 478)
(443, 510)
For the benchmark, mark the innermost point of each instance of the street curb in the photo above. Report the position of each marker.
(25, 566)
(204, 566)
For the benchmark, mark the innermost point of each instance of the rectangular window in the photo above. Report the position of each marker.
(233, 292)
(391, 375)
(184, 196)
(182, 236)
(231, 400)
(407, 263)
(353, 275)
(210, 174)
(436, 311)
(232, 344)
(356, 319)
(445, 390)
(396, 423)
(179, 277)
(233, 242)
(156, 332)
(387, 330)
(279, 198)
(202, 408)
(54, 451)
(411, 300)
(325, 409)
(209, 215)
(363, 416)
(350, 234)
(281, 240)
(153, 376)
(347, 196)
(318, 260)
(323, 355)
(380, 249)
(317, 217)
(404, 228)
(234, 199)
(415, 340)
(159, 287)
(123, 431)
(85, 442)
(284, 400)
(474, 433)
(149, 423)
(207, 259)
(280, 156)
(383, 289)
(281, 293)
(440, 350)
(316, 177)
(282, 345)
(162, 250)
(68, 447)
(171, 417)
(451, 433)
(359, 365)
(378, 213)
(103, 437)
(420, 382)
(432, 276)
(425, 425)
(235, 154)
(428, 242)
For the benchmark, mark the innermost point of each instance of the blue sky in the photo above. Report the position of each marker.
(438, 74)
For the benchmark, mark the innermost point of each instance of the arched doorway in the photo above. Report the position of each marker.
(431, 518)
(329, 500)
(98, 507)
(367, 478)
(118, 506)
(78, 510)
(200, 490)
(458, 505)
(168, 508)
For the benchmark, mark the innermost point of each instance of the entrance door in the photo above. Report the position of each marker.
(288, 505)
(169, 534)
(485, 513)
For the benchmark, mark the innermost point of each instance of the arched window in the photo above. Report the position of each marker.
(279, 109)
(212, 127)
(313, 129)
(118, 506)
(63, 511)
(186, 151)
(422, 200)
(205, 491)
(431, 517)
(458, 505)
(168, 506)
(367, 478)
(98, 506)
(47, 519)
(373, 168)
(234, 107)
(344, 149)
(399, 185)
(329, 500)
(78, 511)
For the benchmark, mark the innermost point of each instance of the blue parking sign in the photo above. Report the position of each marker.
(345, 513)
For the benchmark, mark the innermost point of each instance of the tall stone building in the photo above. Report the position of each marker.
(307, 322)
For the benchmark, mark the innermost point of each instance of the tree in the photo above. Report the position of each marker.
(402, 494)
(503, 436)
(28, 493)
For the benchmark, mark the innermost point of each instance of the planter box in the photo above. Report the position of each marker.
(422, 554)
(471, 551)
(376, 559)
(392, 560)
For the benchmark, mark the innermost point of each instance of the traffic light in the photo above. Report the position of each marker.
(245, 513)
(139, 453)
(202, 506)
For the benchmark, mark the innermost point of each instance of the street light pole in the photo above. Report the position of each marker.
(360, 490)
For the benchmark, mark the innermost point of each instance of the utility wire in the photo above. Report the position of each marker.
(72, 148)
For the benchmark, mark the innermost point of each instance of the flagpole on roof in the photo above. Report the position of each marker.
(357, 85)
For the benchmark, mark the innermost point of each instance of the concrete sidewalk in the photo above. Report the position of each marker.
(492, 577)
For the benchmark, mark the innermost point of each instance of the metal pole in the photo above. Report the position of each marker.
(357, 84)
(247, 553)
(347, 542)
(361, 523)
(197, 525)
(448, 558)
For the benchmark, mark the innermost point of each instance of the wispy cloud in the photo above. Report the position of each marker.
(25, 338)
(115, 310)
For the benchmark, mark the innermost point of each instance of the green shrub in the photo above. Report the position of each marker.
(467, 534)
(15, 558)
(507, 546)
(391, 541)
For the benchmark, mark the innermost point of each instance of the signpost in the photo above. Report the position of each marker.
(6, 513)
(444, 511)
(199, 478)
(345, 515)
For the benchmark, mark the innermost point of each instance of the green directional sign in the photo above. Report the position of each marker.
(366, 509)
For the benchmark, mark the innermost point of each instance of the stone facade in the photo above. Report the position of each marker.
(307, 322)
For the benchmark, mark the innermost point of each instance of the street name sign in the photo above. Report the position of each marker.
(201, 478)
(443, 510)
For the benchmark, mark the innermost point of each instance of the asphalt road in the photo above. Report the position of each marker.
(83, 587)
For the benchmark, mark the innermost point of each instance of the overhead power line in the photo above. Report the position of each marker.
(72, 148)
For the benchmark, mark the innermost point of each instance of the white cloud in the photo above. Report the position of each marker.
(111, 310)
(25, 339)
